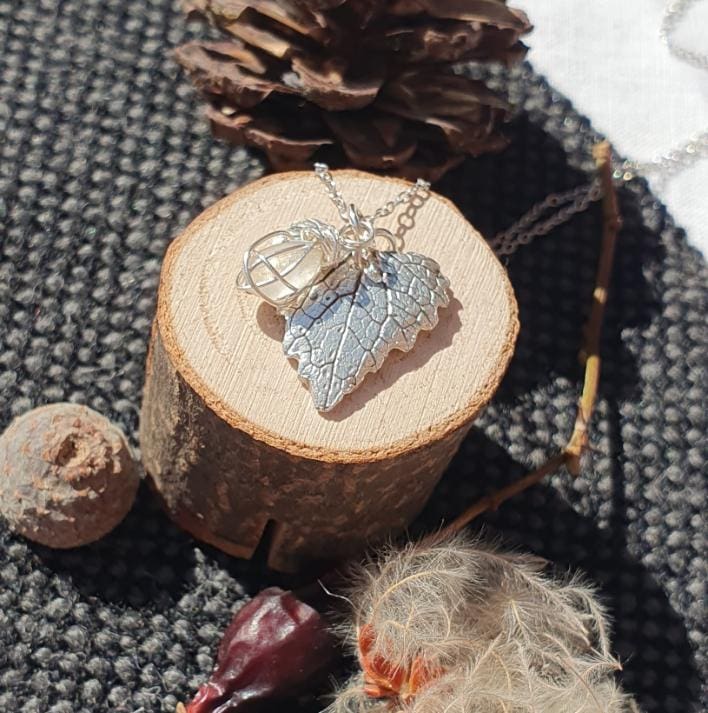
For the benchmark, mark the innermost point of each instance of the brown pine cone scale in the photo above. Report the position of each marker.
(369, 83)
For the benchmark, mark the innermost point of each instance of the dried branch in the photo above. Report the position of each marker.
(571, 455)
(590, 354)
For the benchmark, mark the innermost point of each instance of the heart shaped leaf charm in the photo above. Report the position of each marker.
(350, 321)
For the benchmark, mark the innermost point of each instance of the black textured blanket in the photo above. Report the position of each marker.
(105, 157)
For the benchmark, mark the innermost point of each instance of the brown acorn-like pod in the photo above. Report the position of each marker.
(67, 475)
(306, 80)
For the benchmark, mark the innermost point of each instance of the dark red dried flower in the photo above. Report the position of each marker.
(273, 648)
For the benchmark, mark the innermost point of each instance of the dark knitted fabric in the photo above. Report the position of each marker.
(105, 158)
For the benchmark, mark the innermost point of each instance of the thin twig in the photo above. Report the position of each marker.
(578, 443)
(590, 354)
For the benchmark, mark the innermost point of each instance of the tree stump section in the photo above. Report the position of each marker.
(229, 435)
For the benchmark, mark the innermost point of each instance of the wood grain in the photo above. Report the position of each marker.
(217, 367)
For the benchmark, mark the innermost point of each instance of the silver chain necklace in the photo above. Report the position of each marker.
(694, 149)
(673, 13)
(536, 222)
(533, 224)
(349, 294)
(417, 192)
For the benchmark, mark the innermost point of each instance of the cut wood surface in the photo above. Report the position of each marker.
(229, 433)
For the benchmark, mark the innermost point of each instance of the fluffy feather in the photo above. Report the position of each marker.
(463, 627)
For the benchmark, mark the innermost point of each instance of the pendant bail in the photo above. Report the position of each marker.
(355, 218)
(358, 237)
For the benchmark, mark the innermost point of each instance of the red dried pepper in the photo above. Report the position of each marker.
(273, 647)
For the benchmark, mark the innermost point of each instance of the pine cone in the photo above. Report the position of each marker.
(372, 81)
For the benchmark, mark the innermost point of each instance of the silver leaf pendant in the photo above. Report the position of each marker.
(349, 295)
(354, 317)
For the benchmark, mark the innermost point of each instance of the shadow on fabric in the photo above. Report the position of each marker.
(544, 521)
(534, 410)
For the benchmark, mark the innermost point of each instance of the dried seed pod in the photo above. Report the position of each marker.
(274, 647)
(67, 475)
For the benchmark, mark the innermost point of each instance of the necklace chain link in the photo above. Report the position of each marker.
(670, 163)
(694, 149)
(417, 191)
(673, 13)
(532, 224)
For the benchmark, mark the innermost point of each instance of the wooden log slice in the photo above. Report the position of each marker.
(229, 434)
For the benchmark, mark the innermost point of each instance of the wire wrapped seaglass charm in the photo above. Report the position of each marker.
(282, 265)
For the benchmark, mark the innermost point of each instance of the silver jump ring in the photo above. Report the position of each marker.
(388, 237)
(358, 234)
